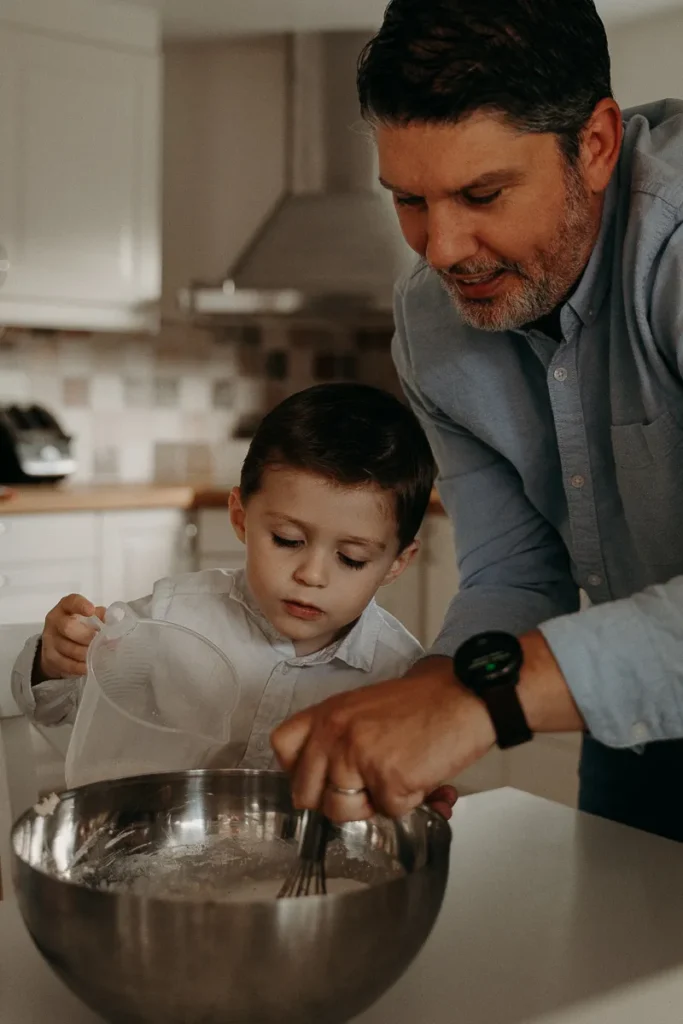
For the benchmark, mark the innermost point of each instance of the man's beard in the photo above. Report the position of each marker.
(543, 282)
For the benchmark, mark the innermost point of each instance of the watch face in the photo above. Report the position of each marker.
(488, 659)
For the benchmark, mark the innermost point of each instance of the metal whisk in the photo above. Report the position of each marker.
(307, 875)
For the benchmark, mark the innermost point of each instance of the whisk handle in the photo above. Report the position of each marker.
(314, 836)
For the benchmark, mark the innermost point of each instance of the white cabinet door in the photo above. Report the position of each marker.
(48, 537)
(440, 573)
(29, 591)
(405, 600)
(217, 545)
(79, 182)
(215, 533)
(43, 558)
(139, 548)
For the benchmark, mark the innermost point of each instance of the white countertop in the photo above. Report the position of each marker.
(551, 917)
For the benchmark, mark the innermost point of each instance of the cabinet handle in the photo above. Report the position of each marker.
(4, 265)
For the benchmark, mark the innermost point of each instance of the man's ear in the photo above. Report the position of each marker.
(401, 563)
(237, 513)
(601, 142)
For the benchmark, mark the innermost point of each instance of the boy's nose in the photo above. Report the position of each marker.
(311, 571)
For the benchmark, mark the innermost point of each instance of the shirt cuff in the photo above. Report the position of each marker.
(484, 609)
(626, 692)
(22, 690)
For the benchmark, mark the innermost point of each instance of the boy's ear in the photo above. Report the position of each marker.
(237, 514)
(401, 563)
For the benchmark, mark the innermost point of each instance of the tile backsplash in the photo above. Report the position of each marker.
(180, 406)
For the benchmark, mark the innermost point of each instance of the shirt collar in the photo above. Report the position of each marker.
(592, 288)
(356, 648)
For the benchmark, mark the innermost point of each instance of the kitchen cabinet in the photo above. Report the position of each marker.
(439, 574)
(27, 593)
(139, 548)
(107, 556)
(548, 767)
(42, 558)
(217, 546)
(420, 597)
(404, 598)
(79, 178)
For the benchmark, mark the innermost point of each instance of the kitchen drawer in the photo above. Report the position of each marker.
(215, 533)
(39, 538)
(547, 767)
(27, 593)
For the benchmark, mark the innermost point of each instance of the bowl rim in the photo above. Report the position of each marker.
(435, 820)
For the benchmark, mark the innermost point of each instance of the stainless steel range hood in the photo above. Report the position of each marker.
(332, 243)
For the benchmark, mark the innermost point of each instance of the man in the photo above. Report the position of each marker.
(540, 341)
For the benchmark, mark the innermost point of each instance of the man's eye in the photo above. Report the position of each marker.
(284, 542)
(409, 200)
(351, 563)
(485, 200)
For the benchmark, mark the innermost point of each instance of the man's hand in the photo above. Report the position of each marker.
(66, 639)
(397, 741)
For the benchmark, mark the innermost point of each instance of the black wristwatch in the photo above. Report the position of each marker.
(489, 665)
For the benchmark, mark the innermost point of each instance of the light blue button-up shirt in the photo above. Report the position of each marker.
(561, 465)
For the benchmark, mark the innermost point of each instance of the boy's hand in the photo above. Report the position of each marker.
(443, 800)
(66, 639)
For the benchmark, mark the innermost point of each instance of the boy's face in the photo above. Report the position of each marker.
(317, 552)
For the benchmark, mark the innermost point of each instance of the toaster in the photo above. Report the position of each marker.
(33, 446)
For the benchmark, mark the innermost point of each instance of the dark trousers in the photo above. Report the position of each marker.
(641, 790)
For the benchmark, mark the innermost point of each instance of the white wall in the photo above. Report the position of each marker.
(224, 153)
(647, 59)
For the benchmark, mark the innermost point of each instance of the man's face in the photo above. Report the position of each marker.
(501, 217)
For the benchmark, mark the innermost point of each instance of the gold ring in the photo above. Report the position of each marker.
(345, 792)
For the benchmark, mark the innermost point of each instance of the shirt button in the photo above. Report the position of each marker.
(260, 745)
(285, 669)
(560, 374)
(640, 733)
(578, 481)
(594, 579)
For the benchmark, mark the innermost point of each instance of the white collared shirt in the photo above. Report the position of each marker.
(274, 682)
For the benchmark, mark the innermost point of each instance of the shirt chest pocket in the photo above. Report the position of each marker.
(649, 467)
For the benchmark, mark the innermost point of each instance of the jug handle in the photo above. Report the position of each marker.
(119, 619)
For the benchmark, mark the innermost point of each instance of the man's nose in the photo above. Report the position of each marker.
(450, 237)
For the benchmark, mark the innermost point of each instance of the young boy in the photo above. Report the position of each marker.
(333, 491)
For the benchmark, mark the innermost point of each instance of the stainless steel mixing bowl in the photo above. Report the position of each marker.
(124, 888)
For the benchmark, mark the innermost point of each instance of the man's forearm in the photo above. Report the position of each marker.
(543, 692)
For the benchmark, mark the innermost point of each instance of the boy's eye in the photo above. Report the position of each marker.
(351, 563)
(285, 542)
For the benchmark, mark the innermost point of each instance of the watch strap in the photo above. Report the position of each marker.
(507, 715)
